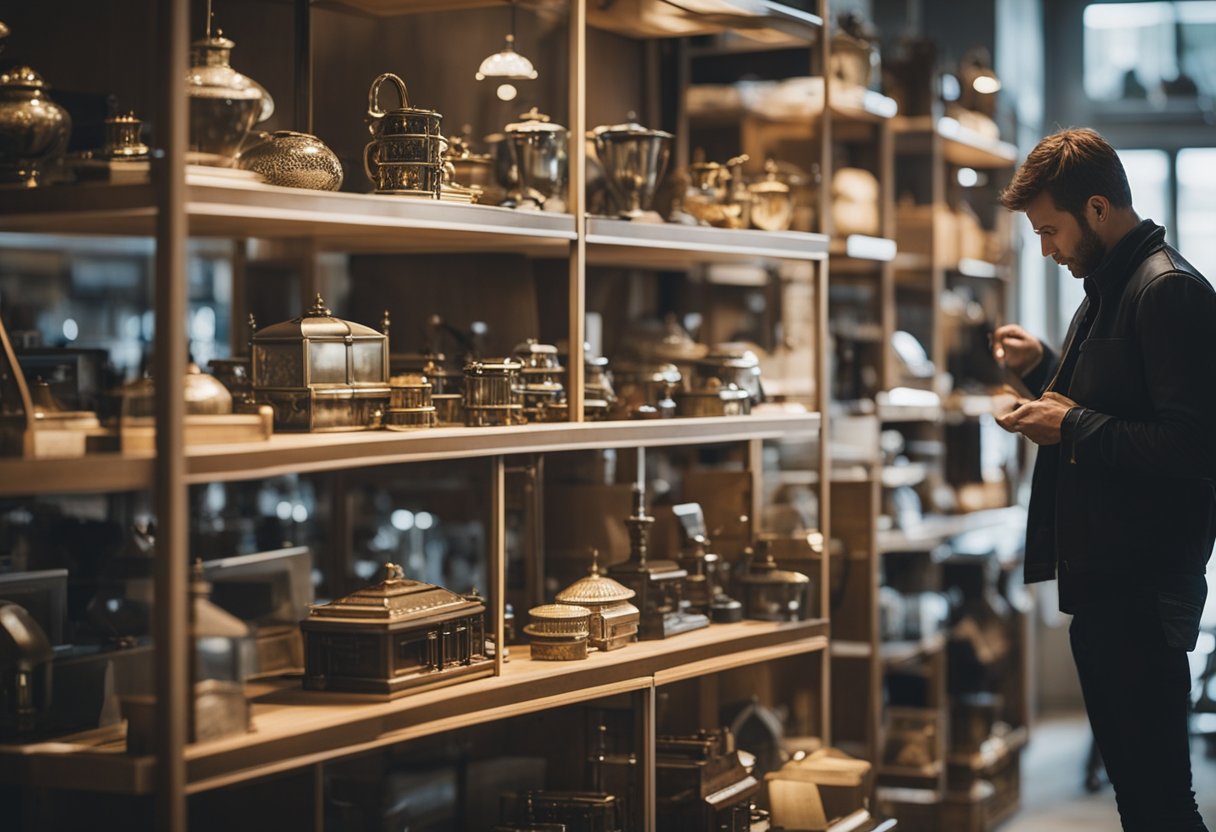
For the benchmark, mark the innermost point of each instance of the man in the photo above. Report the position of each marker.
(1122, 508)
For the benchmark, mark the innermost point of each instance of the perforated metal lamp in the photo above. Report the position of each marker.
(508, 64)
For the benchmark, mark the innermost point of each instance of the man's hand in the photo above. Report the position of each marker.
(1039, 420)
(1016, 349)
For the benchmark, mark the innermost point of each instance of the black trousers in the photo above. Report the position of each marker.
(1137, 690)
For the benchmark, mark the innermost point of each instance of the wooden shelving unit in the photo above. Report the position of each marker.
(297, 732)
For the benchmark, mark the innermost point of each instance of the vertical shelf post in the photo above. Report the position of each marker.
(577, 285)
(171, 626)
(496, 595)
(823, 381)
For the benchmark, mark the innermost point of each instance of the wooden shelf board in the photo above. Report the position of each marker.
(345, 221)
(811, 644)
(908, 261)
(960, 145)
(909, 413)
(938, 529)
(88, 474)
(862, 247)
(903, 652)
(842, 649)
(865, 107)
(985, 760)
(294, 727)
(762, 20)
(660, 245)
(969, 267)
(393, 8)
(284, 453)
(300, 453)
(312, 452)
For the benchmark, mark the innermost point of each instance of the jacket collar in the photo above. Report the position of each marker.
(1125, 257)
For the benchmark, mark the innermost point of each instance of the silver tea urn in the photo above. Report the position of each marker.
(634, 159)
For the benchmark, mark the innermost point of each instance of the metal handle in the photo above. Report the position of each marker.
(367, 163)
(373, 94)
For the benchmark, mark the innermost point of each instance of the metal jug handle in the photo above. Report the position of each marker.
(368, 162)
(373, 94)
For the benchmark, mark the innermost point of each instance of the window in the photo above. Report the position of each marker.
(1150, 51)
(1148, 172)
(1197, 208)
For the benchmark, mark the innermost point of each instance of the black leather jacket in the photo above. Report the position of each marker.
(1129, 490)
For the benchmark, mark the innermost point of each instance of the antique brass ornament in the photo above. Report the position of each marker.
(405, 155)
(614, 621)
(224, 104)
(394, 637)
(772, 594)
(659, 584)
(34, 129)
(558, 632)
(321, 373)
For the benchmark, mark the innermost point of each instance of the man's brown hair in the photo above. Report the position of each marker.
(1071, 165)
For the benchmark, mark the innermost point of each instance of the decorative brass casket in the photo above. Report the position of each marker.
(321, 373)
(614, 621)
(396, 636)
(558, 632)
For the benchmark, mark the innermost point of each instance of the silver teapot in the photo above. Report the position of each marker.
(33, 128)
(293, 160)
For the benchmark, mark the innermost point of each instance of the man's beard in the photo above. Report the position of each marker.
(1090, 250)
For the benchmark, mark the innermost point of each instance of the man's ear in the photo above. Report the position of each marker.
(1097, 208)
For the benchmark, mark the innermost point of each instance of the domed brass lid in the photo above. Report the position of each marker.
(318, 322)
(595, 590)
(562, 621)
(23, 78)
(393, 599)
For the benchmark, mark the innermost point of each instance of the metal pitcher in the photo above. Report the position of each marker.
(405, 155)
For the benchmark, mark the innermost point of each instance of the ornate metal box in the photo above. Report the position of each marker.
(396, 636)
(702, 784)
(321, 373)
(614, 621)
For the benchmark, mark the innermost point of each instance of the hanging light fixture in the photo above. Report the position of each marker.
(507, 64)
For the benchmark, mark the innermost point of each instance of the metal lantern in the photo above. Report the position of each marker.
(321, 373)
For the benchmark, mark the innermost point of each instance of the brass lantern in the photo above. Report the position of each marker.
(321, 373)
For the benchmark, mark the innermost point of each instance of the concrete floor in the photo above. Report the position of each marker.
(1053, 795)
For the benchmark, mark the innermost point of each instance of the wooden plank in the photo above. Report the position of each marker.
(294, 727)
(733, 660)
(437, 726)
(336, 220)
(300, 453)
(89, 474)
